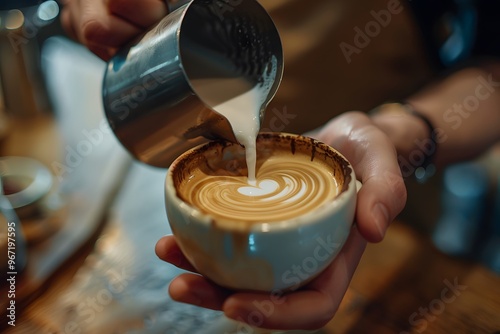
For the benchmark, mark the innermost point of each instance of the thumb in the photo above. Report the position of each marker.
(373, 156)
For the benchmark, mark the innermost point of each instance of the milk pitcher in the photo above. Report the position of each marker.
(151, 88)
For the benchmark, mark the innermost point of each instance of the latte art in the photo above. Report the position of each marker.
(287, 186)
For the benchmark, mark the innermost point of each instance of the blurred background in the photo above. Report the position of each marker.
(87, 216)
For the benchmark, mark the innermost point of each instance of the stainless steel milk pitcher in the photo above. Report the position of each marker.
(150, 93)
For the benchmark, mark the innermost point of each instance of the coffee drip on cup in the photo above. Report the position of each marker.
(155, 91)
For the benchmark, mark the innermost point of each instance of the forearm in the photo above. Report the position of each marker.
(464, 108)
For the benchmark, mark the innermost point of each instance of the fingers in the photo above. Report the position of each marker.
(66, 22)
(142, 13)
(105, 26)
(305, 310)
(374, 158)
(309, 308)
(168, 250)
(189, 288)
(197, 290)
(383, 194)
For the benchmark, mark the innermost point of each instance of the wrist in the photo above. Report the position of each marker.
(413, 136)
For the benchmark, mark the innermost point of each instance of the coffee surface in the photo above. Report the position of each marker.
(288, 185)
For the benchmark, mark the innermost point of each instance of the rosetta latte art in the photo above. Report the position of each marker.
(286, 188)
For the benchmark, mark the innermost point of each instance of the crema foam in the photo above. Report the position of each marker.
(288, 185)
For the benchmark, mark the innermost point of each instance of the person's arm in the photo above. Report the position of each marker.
(464, 109)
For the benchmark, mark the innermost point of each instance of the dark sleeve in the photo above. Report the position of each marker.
(488, 28)
(455, 30)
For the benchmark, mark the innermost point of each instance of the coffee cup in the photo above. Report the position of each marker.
(276, 234)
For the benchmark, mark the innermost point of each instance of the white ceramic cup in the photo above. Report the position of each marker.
(32, 183)
(268, 256)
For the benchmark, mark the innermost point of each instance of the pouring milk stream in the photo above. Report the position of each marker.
(164, 92)
(242, 111)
